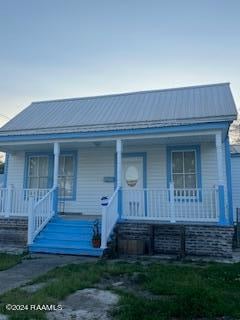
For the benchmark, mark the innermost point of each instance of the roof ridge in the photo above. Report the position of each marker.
(134, 92)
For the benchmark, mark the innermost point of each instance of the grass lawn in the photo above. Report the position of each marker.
(9, 260)
(182, 291)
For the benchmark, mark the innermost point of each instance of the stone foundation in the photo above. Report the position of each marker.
(13, 231)
(193, 239)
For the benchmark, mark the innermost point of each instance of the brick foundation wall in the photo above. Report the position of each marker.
(200, 240)
(13, 231)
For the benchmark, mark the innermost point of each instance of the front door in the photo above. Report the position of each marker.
(132, 183)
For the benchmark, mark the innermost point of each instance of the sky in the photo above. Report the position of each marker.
(53, 49)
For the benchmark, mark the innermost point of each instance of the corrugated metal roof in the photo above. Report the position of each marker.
(235, 148)
(145, 108)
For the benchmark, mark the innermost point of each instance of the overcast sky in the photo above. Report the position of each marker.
(71, 48)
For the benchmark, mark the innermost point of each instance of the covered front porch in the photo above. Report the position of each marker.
(168, 178)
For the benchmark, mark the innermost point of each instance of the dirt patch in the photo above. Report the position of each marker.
(129, 284)
(34, 287)
(86, 304)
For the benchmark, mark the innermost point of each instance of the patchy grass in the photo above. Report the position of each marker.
(209, 292)
(9, 260)
(180, 291)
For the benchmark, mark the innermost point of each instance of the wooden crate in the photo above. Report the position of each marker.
(132, 247)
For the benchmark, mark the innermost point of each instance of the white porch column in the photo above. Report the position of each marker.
(56, 164)
(119, 163)
(221, 193)
(172, 203)
(9, 195)
(119, 175)
(219, 158)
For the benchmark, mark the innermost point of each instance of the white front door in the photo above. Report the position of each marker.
(132, 183)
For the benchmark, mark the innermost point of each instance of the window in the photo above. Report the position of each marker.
(184, 169)
(131, 176)
(38, 172)
(66, 176)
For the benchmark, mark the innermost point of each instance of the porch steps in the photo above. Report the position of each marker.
(62, 236)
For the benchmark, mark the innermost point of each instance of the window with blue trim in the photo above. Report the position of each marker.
(184, 170)
(184, 173)
(66, 176)
(38, 172)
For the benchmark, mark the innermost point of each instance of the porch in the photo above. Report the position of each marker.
(151, 195)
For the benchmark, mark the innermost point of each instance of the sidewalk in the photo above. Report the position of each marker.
(34, 267)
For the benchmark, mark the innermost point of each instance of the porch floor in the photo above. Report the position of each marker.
(66, 236)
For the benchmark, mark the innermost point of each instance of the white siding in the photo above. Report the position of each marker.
(15, 174)
(93, 166)
(96, 163)
(235, 162)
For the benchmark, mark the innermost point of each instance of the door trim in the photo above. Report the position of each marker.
(142, 155)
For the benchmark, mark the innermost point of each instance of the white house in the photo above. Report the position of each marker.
(235, 163)
(160, 157)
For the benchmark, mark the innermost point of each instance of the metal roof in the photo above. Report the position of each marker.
(195, 104)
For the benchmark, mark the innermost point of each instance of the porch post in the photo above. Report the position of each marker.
(30, 220)
(56, 164)
(55, 176)
(9, 194)
(221, 195)
(119, 175)
(172, 203)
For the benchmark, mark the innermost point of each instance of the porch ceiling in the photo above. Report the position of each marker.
(48, 147)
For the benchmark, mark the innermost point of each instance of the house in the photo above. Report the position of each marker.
(161, 158)
(235, 164)
(2, 180)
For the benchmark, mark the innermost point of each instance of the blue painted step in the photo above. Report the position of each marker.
(61, 236)
(65, 242)
(87, 251)
(66, 237)
(68, 229)
(75, 222)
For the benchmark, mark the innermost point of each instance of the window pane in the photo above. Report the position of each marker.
(68, 187)
(61, 165)
(33, 166)
(61, 184)
(43, 166)
(68, 170)
(189, 162)
(65, 178)
(178, 181)
(65, 187)
(131, 176)
(177, 162)
(33, 183)
(190, 181)
(43, 183)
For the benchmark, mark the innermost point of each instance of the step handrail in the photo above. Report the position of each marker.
(40, 214)
(44, 197)
(110, 216)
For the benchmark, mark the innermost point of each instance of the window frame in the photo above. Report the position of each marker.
(74, 155)
(186, 148)
(30, 155)
(184, 173)
(50, 156)
(38, 176)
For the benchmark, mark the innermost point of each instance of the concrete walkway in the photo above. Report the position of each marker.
(34, 267)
